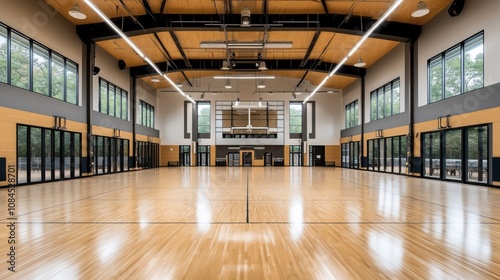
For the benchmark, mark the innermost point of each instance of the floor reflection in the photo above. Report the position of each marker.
(387, 250)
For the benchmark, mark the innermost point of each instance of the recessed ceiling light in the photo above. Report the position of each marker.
(421, 10)
(76, 12)
(155, 80)
(360, 63)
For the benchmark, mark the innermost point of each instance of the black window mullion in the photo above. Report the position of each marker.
(30, 83)
(65, 80)
(107, 98)
(443, 76)
(42, 155)
(28, 154)
(462, 67)
(392, 98)
(72, 155)
(8, 55)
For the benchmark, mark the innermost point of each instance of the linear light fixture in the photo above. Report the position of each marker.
(245, 45)
(244, 77)
(356, 47)
(135, 48)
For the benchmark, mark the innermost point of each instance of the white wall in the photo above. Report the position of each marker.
(40, 22)
(171, 108)
(443, 32)
(329, 111)
(111, 73)
(386, 69)
(147, 94)
(351, 93)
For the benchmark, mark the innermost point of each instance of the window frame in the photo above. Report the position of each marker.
(295, 135)
(380, 94)
(51, 54)
(117, 99)
(204, 135)
(441, 59)
(352, 114)
(146, 114)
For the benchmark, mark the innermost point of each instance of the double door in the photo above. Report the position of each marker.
(45, 154)
(233, 159)
(110, 155)
(457, 154)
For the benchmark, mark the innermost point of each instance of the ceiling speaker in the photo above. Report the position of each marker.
(121, 64)
(456, 7)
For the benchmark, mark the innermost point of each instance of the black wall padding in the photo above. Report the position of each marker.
(3, 169)
(496, 169)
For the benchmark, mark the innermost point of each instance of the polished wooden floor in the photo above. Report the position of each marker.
(254, 223)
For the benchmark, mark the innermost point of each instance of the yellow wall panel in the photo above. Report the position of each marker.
(168, 153)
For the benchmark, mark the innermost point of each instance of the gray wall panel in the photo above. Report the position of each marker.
(350, 131)
(398, 120)
(108, 121)
(20, 99)
(481, 99)
(147, 131)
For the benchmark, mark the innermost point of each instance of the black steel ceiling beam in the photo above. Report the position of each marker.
(230, 6)
(395, 31)
(162, 7)
(245, 66)
(309, 50)
(325, 7)
(179, 47)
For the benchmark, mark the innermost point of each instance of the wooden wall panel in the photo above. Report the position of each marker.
(469, 119)
(213, 154)
(333, 153)
(168, 153)
(286, 155)
(8, 131)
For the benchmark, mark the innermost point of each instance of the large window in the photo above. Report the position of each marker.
(3, 54)
(41, 69)
(351, 114)
(457, 70)
(385, 100)
(19, 61)
(204, 119)
(26, 64)
(295, 118)
(146, 114)
(113, 100)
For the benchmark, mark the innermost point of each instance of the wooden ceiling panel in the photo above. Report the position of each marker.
(169, 45)
(403, 13)
(191, 7)
(121, 50)
(111, 8)
(330, 47)
(295, 7)
(245, 36)
(336, 81)
(300, 40)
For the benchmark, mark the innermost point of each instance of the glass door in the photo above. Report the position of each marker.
(203, 155)
(432, 154)
(185, 156)
(458, 154)
(453, 155)
(477, 154)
